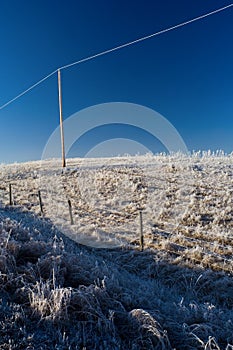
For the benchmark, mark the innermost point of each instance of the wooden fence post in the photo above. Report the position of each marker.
(10, 195)
(141, 238)
(40, 201)
(70, 211)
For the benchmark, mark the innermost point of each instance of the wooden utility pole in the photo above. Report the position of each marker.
(61, 120)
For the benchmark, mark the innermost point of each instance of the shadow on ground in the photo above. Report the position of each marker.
(57, 294)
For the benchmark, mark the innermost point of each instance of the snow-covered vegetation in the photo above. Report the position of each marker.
(97, 290)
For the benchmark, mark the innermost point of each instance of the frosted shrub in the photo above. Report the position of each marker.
(49, 301)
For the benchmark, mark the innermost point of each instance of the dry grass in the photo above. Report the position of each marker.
(74, 297)
(177, 294)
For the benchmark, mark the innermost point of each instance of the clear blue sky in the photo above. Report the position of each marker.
(186, 75)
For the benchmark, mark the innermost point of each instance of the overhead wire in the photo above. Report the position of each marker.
(145, 37)
(27, 90)
(115, 49)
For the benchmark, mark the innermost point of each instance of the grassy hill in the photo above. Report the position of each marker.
(98, 290)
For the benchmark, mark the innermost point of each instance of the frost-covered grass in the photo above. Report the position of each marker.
(176, 294)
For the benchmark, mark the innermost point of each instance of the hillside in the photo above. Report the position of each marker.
(98, 290)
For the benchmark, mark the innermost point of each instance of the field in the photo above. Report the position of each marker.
(88, 285)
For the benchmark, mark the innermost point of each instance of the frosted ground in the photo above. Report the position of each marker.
(98, 290)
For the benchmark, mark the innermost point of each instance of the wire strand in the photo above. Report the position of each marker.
(27, 90)
(115, 49)
(145, 37)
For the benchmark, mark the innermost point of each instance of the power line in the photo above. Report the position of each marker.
(117, 48)
(25, 91)
(144, 38)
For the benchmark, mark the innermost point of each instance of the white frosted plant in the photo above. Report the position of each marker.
(49, 301)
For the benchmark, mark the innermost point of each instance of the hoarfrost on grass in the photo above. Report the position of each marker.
(178, 293)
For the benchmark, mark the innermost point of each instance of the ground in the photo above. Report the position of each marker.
(89, 285)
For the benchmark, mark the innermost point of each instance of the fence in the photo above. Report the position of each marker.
(7, 199)
(207, 245)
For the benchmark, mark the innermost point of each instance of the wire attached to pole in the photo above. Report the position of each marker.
(115, 49)
(29, 89)
(145, 38)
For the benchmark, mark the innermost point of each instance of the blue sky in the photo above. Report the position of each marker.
(186, 74)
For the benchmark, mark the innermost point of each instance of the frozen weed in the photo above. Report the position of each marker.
(49, 301)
